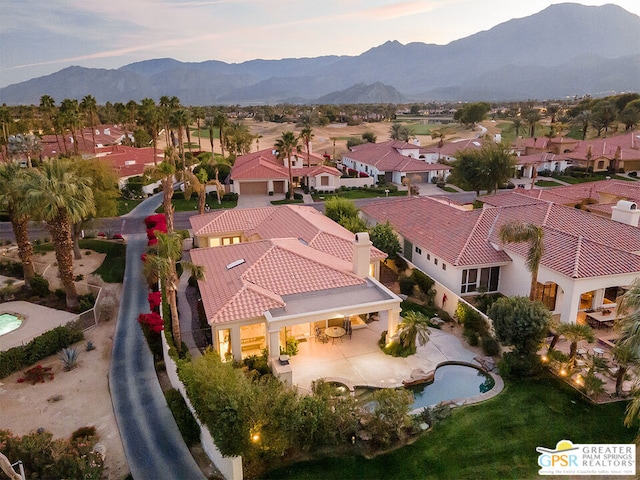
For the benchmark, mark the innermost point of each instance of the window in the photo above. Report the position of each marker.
(324, 181)
(435, 260)
(444, 266)
(428, 256)
(547, 295)
(418, 250)
(486, 280)
(230, 240)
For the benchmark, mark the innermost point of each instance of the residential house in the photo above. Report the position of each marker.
(587, 263)
(262, 172)
(392, 161)
(278, 272)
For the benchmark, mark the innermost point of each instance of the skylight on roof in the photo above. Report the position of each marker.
(477, 144)
(303, 241)
(235, 264)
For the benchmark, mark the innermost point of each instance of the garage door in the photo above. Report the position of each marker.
(251, 188)
(278, 186)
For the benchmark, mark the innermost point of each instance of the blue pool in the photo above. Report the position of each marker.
(451, 381)
(8, 323)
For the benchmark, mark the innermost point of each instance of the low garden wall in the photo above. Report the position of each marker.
(357, 182)
(230, 467)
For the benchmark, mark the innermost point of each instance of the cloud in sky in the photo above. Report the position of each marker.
(38, 38)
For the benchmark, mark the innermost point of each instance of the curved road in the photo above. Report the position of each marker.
(152, 441)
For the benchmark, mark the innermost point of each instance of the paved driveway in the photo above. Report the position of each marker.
(152, 441)
(254, 201)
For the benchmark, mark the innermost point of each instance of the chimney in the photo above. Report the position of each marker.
(626, 212)
(361, 254)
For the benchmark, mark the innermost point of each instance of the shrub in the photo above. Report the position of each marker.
(514, 365)
(187, 424)
(87, 302)
(471, 319)
(36, 374)
(291, 347)
(401, 264)
(297, 196)
(633, 174)
(83, 433)
(424, 282)
(490, 345)
(69, 357)
(40, 347)
(406, 285)
(230, 197)
(40, 286)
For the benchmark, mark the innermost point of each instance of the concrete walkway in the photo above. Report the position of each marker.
(152, 442)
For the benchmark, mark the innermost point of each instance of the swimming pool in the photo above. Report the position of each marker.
(451, 381)
(9, 322)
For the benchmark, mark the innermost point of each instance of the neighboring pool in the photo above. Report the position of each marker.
(451, 381)
(9, 323)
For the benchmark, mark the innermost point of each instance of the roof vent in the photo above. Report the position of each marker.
(235, 264)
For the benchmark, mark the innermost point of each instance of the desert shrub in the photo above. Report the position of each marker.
(87, 301)
(401, 264)
(425, 284)
(40, 286)
(187, 424)
(490, 345)
(406, 285)
(69, 357)
(84, 433)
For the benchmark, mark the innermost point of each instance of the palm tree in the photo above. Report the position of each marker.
(71, 119)
(306, 134)
(47, 107)
(179, 119)
(165, 172)
(58, 195)
(209, 122)
(626, 357)
(517, 232)
(198, 113)
(220, 121)
(414, 326)
(150, 119)
(10, 198)
(163, 266)
(628, 321)
(574, 332)
(89, 106)
(517, 125)
(532, 117)
(197, 182)
(286, 145)
(584, 119)
(333, 140)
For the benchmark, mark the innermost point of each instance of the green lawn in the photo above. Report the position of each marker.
(547, 183)
(182, 205)
(495, 439)
(125, 205)
(112, 268)
(353, 194)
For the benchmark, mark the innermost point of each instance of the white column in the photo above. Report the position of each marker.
(270, 185)
(274, 344)
(570, 304)
(236, 343)
(598, 298)
(391, 317)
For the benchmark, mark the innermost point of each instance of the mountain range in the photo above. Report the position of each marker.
(565, 50)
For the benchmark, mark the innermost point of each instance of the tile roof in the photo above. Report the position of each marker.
(577, 243)
(295, 221)
(271, 269)
(386, 157)
(264, 164)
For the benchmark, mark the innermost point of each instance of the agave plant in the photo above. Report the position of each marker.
(69, 357)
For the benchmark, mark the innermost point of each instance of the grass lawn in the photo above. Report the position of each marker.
(547, 183)
(286, 202)
(353, 194)
(494, 439)
(112, 268)
(593, 178)
(191, 205)
(125, 205)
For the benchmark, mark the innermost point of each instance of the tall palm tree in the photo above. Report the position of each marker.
(286, 145)
(150, 119)
(56, 194)
(414, 326)
(628, 321)
(220, 121)
(210, 123)
(11, 197)
(163, 265)
(626, 357)
(47, 107)
(584, 119)
(177, 120)
(89, 106)
(165, 172)
(574, 332)
(532, 117)
(517, 232)
(306, 135)
(517, 125)
(71, 120)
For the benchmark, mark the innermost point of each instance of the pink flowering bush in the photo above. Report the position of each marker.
(155, 299)
(153, 320)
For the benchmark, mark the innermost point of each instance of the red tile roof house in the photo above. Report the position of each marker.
(393, 160)
(283, 271)
(262, 172)
(587, 258)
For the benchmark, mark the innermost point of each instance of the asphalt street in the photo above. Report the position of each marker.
(152, 442)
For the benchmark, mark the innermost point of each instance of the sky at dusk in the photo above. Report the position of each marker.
(41, 37)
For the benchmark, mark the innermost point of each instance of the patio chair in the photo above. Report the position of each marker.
(321, 336)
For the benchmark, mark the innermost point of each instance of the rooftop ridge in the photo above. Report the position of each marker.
(576, 263)
(470, 237)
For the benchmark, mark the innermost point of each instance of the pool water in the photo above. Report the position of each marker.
(450, 382)
(8, 323)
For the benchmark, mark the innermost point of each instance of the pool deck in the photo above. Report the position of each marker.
(38, 319)
(358, 361)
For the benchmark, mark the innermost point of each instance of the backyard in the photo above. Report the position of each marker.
(493, 439)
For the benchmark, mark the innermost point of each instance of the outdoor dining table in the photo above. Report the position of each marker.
(335, 332)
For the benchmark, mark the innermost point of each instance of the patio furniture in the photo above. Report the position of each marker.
(335, 332)
(320, 336)
(598, 351)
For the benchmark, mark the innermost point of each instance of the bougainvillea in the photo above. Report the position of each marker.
(153, 320)
(155, 299)
(156, 221)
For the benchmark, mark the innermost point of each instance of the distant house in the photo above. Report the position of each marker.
(392, 161)
(262, 172)
(279, 272)
(89, 141)
(588, 260)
